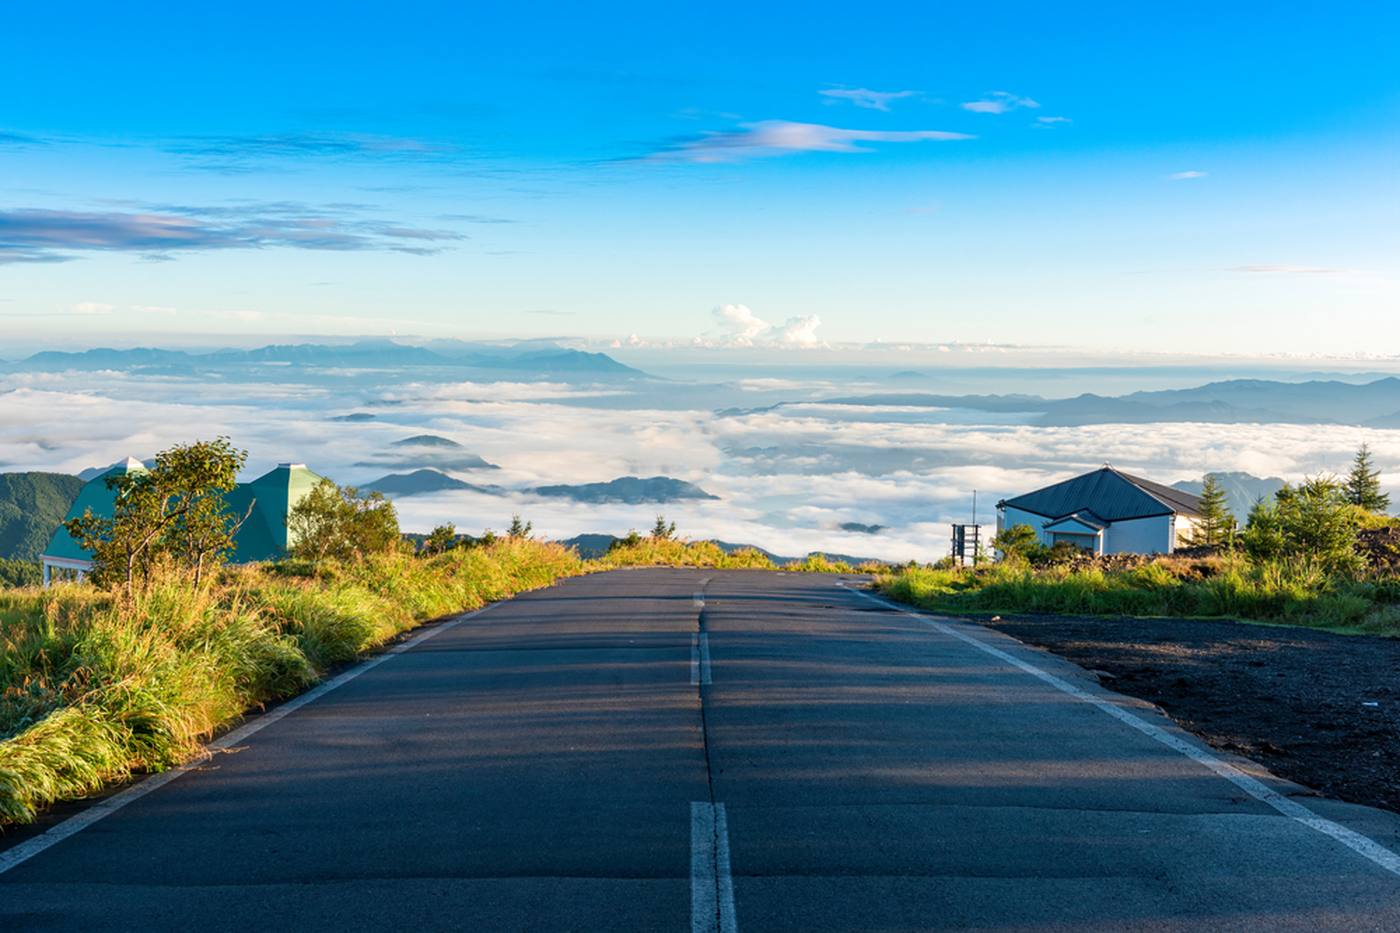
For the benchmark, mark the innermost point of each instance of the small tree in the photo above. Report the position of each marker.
(1019, 542)
(1363, 483)
(519, 529)
(1318, 524)
(1263, 532)
(441, 539)
(1215, 526)
(340, 523)
(662, 531)
(175, 511)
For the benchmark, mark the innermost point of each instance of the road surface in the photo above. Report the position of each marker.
(717, 751)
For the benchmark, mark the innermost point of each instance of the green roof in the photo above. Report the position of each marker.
(263, 536)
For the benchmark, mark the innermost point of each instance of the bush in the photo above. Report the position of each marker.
(340, 523)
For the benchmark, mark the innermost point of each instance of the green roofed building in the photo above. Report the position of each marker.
(263, 536)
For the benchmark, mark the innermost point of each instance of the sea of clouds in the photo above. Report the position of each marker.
(787, 478)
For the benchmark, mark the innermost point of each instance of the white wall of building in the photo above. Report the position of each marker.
(1158, 535)
(1140, 536)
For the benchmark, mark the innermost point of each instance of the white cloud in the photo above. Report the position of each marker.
(799, 331)
(999, 102)
(1187, 175)
(742, 324)
(864, 97)
(742, 328)
(782, 137)
(1052, 121)
(93, 307)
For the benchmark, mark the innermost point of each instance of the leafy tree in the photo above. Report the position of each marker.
(15, 572)
(1215, 526)
(441, 539)
(519, 529)
(662, 531)
(488, 538)
(340, 523)
(1018, 542)
(1363, 483)
(173, 511)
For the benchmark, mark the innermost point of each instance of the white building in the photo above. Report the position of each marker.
(1107, 512)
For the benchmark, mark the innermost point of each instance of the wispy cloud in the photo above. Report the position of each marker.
(1052, 121)
(864, 97)
(239, 153)
(1187, 175)
(8, 138)
(782, 137)
(1286, 269)
(999, 102)
(40, 235)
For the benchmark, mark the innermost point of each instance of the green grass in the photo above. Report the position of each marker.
(96, 688)
(1278, 593)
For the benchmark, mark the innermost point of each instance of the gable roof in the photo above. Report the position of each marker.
(267, 501)
(1109, 495)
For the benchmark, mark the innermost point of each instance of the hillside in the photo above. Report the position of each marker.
(32, 505)
(422, 481)
(628, 489)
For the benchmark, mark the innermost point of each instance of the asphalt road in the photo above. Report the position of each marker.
(690, 750)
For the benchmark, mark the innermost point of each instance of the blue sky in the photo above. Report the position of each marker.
(1200, 176)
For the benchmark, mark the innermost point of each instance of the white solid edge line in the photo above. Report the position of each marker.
(704, 893)
(1358, 843)
(705, 658)
(19, 854)
(711, 884)
(728, 922)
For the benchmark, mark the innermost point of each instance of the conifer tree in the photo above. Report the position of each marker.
(1215, 527)
(1363, 485)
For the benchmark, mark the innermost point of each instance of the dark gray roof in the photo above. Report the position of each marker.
(1109, 495)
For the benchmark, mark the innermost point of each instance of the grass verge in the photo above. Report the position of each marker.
(1233, 588)
(96, 688)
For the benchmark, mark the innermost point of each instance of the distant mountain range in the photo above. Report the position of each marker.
(1242, 490)
(527, 358)
(1236, 401)
(628, 489)
(32, 506)
(423, 481)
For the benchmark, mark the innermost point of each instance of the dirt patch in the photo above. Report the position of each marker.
(1314, 707)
